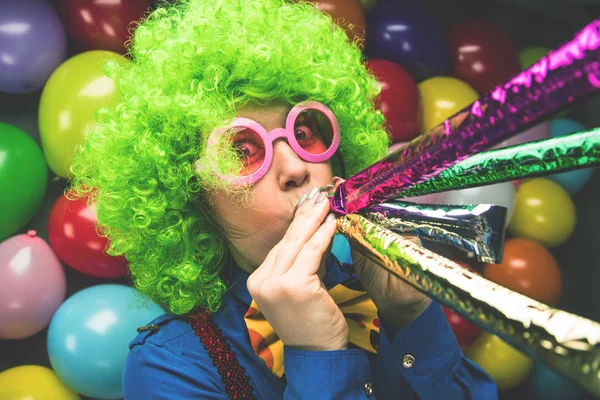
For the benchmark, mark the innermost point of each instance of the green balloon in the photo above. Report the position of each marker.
(530, 55)
(23, 179)
(368, 4)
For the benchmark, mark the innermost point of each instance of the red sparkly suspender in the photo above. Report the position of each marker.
(233, 375)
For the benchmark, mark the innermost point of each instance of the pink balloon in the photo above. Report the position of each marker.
(395, 147)
(537, 132)
(32, 285)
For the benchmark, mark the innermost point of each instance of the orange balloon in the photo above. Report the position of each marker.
(527, 268)
(349, 14)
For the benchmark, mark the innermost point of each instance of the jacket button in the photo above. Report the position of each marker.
(146, 328)
(368, 389)
(408, 361)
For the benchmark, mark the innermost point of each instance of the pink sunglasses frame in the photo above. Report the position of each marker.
(269, 137)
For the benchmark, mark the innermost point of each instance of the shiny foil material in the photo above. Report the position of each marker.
(473, 228)
(544, 157)
(566, 342)
(566, 73)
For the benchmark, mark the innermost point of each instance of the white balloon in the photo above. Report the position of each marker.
(501, 194)
(434, 198)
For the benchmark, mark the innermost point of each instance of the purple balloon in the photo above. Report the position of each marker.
(32, 44)
(32, 285)
(405, 33)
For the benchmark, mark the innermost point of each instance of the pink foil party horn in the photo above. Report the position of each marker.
(566, 73)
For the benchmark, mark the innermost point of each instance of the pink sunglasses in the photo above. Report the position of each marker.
(311, 130)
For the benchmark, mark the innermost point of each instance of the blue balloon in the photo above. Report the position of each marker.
(406, 34)
(572, 181)
(549, 385)
(89, 335)
(32, 44)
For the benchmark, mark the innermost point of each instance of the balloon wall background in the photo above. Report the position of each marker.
(66, 311)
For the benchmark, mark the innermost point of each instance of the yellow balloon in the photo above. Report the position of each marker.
(442, 97)
(33, 382)
(75, 90)
(506, 365)
(544, 212)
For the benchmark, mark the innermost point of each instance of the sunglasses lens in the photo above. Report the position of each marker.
(246, 151)
(313, 131)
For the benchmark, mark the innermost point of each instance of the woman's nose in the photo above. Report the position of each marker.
(291, 170)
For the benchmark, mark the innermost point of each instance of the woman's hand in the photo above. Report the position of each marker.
(288, 289)
(397, 302)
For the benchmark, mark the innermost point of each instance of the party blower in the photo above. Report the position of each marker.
(438, 161)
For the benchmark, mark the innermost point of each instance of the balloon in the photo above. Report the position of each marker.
(442, 97)
(406, 34)
(399, 99)
(502, 194)
(506, 365)
(73, 93)
(32, 45)
(72, 234)
(23, 179)
(32, 285)
(572, 181)
(349, 14)
(544, 212)
(89, 336)
(530, 55)
(33, 382)
(368, 4)
(395, 146)
(465, 331)
(527, 268)
(434, 198)
(536, 132)
(101, 25)
(565, 126)
(482, 54)
(549, 385)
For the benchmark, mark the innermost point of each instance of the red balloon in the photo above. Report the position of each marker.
(465, 331)
(349, 14)
(101, 24)
(482, 54)
(72, 235)
(399, 100)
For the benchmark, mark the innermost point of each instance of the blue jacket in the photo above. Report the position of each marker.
(171, 363)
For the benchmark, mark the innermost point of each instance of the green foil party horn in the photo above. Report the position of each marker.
(528, 160)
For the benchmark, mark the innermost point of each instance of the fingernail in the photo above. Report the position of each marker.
(301, 201)
(321, 197)
(313, 193)
(326, 188)
(330, 217)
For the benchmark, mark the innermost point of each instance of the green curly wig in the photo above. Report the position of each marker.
(193, 64)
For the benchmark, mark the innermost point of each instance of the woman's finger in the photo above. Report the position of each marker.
(309, 217)
(309, 259)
